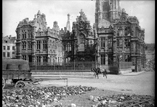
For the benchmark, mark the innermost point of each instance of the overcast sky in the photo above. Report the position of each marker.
(57, 10)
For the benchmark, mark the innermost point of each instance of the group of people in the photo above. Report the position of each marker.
(98, 70)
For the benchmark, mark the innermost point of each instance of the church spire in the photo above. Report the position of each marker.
(68, 23)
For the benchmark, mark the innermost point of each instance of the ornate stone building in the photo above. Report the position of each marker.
(38, 43)
(120, 38)
(79, 44)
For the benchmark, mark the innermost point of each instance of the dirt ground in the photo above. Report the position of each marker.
(142, 84)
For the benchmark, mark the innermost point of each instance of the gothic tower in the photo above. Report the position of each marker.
(68, 23)
(108, 10)
(102, 11)
(114, 10)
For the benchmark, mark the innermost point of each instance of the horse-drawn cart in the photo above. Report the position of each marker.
(16, 70)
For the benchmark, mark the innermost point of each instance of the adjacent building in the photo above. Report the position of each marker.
(38, 43)
(9, 47)
(120, 38)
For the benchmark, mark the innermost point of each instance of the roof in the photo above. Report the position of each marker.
(9, 39)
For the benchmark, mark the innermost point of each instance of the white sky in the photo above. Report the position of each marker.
(57, 10)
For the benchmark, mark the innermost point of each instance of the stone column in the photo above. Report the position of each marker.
(106, 59)
(99, 59)
(106, 49)
(41, 59)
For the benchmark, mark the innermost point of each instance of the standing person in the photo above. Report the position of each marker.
(105, 73)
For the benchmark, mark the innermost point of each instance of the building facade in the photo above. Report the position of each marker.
(79, 44)
(120, 38)
(9, 47)
(38, 43)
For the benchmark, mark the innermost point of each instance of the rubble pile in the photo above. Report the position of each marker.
(40, 97)
(150, 65)
(123, 100)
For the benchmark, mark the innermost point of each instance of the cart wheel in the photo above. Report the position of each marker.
(20, 84)
(3, 83)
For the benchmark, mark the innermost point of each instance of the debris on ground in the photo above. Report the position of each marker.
(123, 100)
(40, 96)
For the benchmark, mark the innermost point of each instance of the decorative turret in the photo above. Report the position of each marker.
(68, 23)
(38, 12)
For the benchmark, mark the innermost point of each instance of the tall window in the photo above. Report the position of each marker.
(13, 48)
(44, 44)
(127, 58)
(110, 44)
(24, 45)
(102, 59)
(127, 43)
(29, 34)
(24, 57)
(29, 45)
(25, 35)
(32, 35)
(8, 47)
(3, 47)
(68, 47)
(8, 54)
(38, 59)
(38, 44)
(120, 32)
(102, 42)
(44, 58)
(119, 42)
(4, 54)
